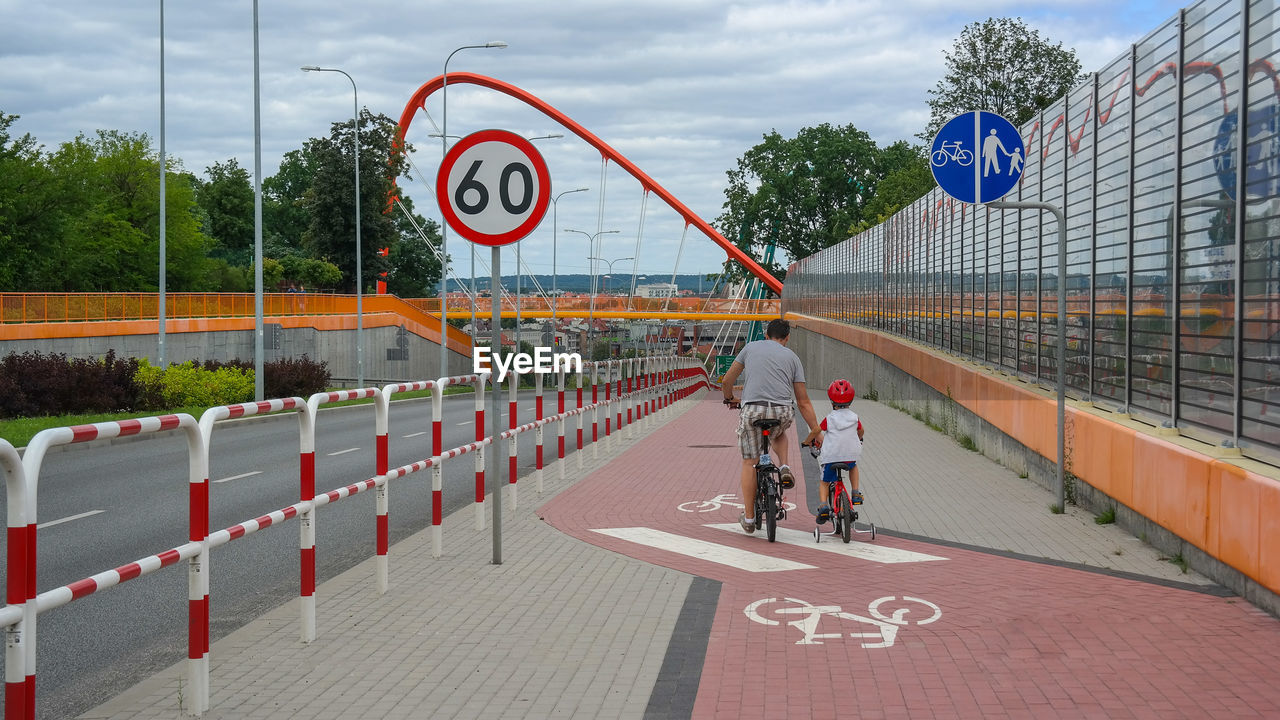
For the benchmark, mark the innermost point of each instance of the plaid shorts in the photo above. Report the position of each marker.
(750, 441)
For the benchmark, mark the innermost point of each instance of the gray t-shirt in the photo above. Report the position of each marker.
(770, 368)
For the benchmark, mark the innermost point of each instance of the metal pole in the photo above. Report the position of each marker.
(258, 392)
(495, 410)
(355, 104)
(163, 171)
(1062, 330)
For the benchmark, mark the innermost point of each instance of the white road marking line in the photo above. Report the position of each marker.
(461, 424)
(703, 550)
(344, 452)
(51, 523)
(857, 549)
(413, 435)
(241, 476)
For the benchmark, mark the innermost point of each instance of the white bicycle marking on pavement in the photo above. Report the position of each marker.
(808, 617)
(718, 502)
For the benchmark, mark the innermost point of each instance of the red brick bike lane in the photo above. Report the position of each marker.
(899, 628)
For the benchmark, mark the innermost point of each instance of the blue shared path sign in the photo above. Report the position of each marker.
(977, 157)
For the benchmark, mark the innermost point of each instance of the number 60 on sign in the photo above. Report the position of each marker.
(493, 187)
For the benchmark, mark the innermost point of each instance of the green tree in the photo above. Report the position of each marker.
(284, 214)
(31, 211)
(227, 201)
(804, 193)
(330, 201)
(111, 189)
(907, 179)
(1003, 66)
(415, 268)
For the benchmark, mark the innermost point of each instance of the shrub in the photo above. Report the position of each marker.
(187, 385)
(33, 384)
(286, 377)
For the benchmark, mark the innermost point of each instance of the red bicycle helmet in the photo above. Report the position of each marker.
(840, 392)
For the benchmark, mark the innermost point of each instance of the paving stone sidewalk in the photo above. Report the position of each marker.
(560, 629)
(568, 629)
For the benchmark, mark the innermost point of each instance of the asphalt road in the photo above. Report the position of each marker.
(102, 507)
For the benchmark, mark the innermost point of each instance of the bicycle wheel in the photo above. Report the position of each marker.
(964, 157)
(846, 517)
(939, 158)
(767, 499)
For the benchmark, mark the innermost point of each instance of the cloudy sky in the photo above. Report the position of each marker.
(681, 87)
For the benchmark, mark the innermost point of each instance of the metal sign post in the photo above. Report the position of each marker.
(495, 408)
(493, 188)
(978, 157)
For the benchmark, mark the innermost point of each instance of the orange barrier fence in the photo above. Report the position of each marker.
(88, 307)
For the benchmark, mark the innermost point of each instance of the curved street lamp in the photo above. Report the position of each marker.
(555, 295)
(444, 226)
(355, 98)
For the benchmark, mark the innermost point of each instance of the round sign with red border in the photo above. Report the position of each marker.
(493, 187)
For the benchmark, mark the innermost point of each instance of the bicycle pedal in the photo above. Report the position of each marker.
(788, 482)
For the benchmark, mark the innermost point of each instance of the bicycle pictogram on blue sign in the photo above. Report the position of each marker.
(977, 157)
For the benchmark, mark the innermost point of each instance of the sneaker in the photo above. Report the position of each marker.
(857, 497)
(788, 478)
(748, 526)
(824, 514)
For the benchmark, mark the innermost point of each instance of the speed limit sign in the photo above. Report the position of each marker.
(493, 187)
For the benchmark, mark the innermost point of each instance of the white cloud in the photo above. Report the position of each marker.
(682, 88)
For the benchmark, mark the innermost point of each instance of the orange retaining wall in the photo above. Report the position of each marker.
(1227, 507)
(379, 311)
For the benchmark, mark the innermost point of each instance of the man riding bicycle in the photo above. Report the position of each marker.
(774, 384)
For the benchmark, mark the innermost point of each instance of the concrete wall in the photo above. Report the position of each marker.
(1221, 513)
(391, 353)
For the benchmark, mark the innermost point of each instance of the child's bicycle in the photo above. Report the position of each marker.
(842, 513)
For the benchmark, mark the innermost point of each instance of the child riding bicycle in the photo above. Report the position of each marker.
(840, 438)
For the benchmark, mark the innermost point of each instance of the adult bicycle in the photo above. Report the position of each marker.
(769, 507)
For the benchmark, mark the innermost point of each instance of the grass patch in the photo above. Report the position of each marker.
(967, 443)
(19, 431)
(1056, 509)
(1022, 476)
(1106, 517)
(1180, 561)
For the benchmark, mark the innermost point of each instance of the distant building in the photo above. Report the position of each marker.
(657, 290)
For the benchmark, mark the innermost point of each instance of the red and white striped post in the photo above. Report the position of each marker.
(513, 386)
(196, 551)
(538, 437)
(608, 400)
(382, 420)
(563, 419)
(631, 398)
(479, 456)
(595, 411)
(307, 496)
(19, 532)
(581, 379)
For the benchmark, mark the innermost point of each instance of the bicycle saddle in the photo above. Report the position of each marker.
(766, 423)
(840, 466)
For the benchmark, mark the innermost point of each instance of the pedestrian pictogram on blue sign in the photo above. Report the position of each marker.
(977, 157)
(1262, 166)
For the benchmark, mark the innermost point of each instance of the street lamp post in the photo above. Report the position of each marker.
(591, 247)
(355, 102)
(444, 227)
(555, 297)
(519, 267)
(606, 277)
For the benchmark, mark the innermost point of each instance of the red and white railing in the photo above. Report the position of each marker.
(646, 387)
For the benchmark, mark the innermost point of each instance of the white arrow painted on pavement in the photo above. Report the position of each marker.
(703, 550)
(864, 551)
